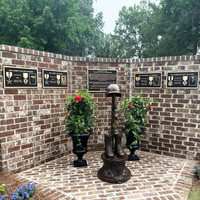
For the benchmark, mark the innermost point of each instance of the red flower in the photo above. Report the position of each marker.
(148, 106)
(129, 105)
(78, 98)
(92, 99)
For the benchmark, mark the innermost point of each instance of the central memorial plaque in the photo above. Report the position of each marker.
(148, 80)
(98, 80)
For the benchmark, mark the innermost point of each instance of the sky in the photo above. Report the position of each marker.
(110, 9)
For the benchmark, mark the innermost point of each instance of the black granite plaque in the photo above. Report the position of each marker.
(54, 79)
(148, 80)
(15, 77)
(183, 80)
(99, 80)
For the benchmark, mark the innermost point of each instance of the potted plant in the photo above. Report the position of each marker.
(135, 115)
(79, 122)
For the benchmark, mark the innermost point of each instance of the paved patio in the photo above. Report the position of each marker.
(154, 177)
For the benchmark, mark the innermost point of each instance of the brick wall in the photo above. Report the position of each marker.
(31, 133)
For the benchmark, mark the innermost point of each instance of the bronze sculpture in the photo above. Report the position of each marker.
(114, 169)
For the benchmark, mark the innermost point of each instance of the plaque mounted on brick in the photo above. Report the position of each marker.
(148, 80)
(183, 80)
(15, 77)
(54, 79)
(98, 80)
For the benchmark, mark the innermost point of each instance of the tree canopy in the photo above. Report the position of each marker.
(149, 30)
(60, 26)
(69, 27)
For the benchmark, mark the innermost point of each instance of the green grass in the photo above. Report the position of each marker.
(194, 195)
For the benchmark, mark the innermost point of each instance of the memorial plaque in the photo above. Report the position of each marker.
(15, 77)
(183, 80)
(54, 79)
(99, 80)
(148, 80)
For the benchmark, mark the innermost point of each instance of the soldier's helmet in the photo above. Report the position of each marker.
(113, 89)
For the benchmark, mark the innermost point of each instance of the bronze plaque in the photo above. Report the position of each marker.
(98, 80)
(148, 80)
(15, 77)
(54, 79)
(183, 80)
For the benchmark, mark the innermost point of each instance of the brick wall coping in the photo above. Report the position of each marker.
(92, 59)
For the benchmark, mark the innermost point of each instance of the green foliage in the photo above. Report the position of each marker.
(127, 37)
(64, 26)
(135, 114)
(2, 188)
(196, 170)
(171, 28)
(182, 23)
(80, 110)
(194, 194)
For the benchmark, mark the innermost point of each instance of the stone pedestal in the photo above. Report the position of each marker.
(114, 170)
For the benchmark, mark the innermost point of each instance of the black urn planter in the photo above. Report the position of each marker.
(80, 150)
(129, 139)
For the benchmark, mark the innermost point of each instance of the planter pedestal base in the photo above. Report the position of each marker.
(114, 170)
(133, 157)
(80, 163)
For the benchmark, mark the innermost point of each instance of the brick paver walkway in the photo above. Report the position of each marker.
(154, 177)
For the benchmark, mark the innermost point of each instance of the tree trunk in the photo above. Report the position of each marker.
(195, 45)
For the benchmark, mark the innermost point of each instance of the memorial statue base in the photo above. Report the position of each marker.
(114, 171)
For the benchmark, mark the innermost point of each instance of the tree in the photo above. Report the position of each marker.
(182, 18)
(127, 32)
(59, 26)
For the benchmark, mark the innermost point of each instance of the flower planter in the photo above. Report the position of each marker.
(129, 139)
(80, 150)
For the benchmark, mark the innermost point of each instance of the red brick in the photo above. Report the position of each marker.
(20, 97)
(11, 91)
(18, 62)
(176, 142)
(19, 120)
(53, 66)
(23, 130)
(190, 125)
(45, 126)
(48, 60)
(38, 153)
(177, 124)
(8, 55)
(194, 139)
(43, 65)
(7, 133)
(189, 143)
(27, 146)
(176, 105)
(169, 96)
(57, 61)
(37, 101)
(163, 140)
(165, 122)
(14, 126)
(180, 147)
(13, 149)
(49, 140)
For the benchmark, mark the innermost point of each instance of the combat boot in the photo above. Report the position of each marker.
(118, 148)
(108, 146)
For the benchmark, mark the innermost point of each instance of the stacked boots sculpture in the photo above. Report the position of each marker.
(114, 158)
